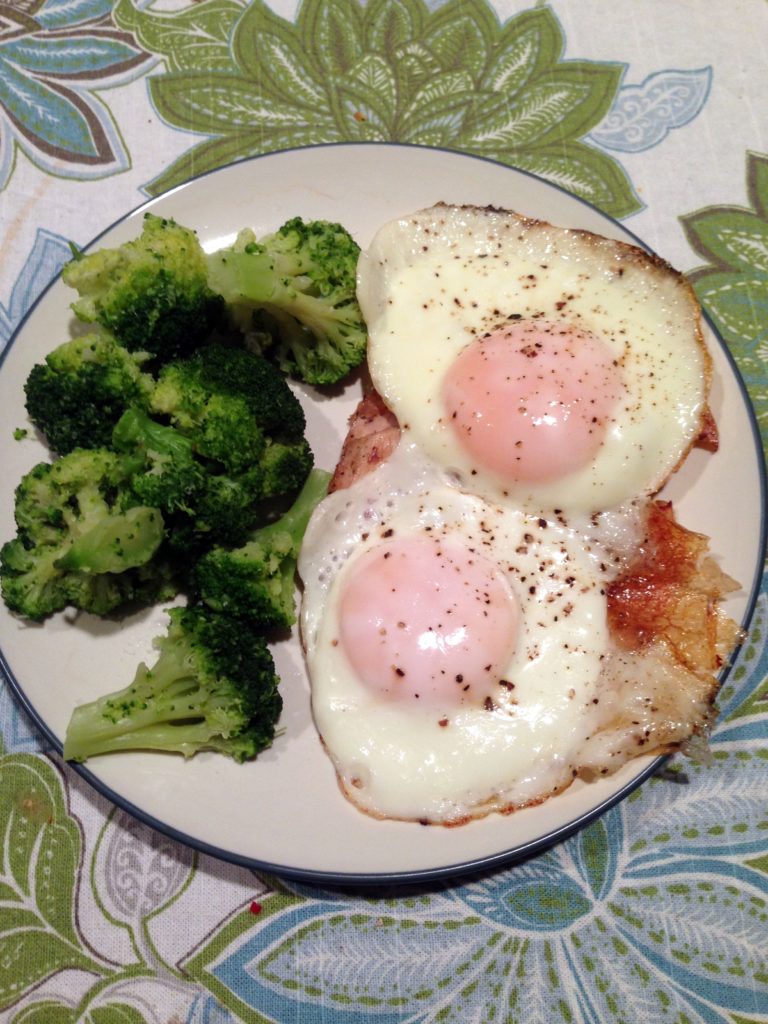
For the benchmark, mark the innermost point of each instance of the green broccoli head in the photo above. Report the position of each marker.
(257, 580)
(76, 544)
(208, 494)
(151, 293)
(188, 391)
(212, 687)
(292, 294)
(78, 394)
(164, 471)
(239, 413)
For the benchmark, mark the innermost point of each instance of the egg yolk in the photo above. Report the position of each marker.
(532, 402)
(428, 619)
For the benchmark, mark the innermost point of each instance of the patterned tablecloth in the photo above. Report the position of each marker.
(655, 112)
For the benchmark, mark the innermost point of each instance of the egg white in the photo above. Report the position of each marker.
(394, 758)
(433, 282)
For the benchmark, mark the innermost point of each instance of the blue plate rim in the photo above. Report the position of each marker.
(443, 872)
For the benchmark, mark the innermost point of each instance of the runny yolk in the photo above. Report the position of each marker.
(532, 402)
(428, 619)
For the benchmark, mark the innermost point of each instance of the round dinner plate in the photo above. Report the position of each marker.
(284, 811)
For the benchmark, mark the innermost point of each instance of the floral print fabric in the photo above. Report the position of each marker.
(656, 911)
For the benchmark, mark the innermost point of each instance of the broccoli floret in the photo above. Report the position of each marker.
(151, 293)
(213, 686)
(78, 394)
(76, 544)
(164, 470)
(239, 413)
(257, 580)
(231, 402)
(209, 493)
(292, 294)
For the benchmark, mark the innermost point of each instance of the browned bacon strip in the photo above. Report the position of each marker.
(372, 437)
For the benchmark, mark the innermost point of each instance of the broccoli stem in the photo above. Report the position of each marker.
(295, 520)
(213, 686)
(164, 708)
(253, 278)
(244, 275)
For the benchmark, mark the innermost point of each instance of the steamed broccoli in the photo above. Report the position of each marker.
(163, 469)
(235, 406)
(78, 394)
(257, 579)
(292, 293)
(234, 445)
(246, 425)
(76, 543)
(213, 686)
(151, 293)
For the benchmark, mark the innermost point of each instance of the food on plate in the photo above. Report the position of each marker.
(482, 625)
(77, 543)
(212, 687)
(224, 439)
(292, 294)
(604, 343)
(178, 440)
(82, 389)
(151, 294)
(257, 581)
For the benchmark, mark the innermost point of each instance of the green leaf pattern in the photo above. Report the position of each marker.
(135, 876)
(38, 863)
(733, 283)
(389, 70)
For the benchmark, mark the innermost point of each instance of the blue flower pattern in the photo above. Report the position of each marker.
(53, 56)
(49, 254)
(643, 115)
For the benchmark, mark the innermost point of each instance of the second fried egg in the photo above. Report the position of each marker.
(454, 645)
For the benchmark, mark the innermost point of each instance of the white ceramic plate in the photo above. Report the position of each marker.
(284, 811)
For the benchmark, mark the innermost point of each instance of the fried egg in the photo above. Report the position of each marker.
(454, 645)
(545, 368)
(459, 604)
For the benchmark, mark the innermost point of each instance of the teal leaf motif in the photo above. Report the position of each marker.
(594, 853)
(687, 907)
(52, 14)
(382, 966)
(733, 282)
(538, 897)
(75, 55)
(53, 57)
(344, 71)
(746, 691)
(51, 118)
